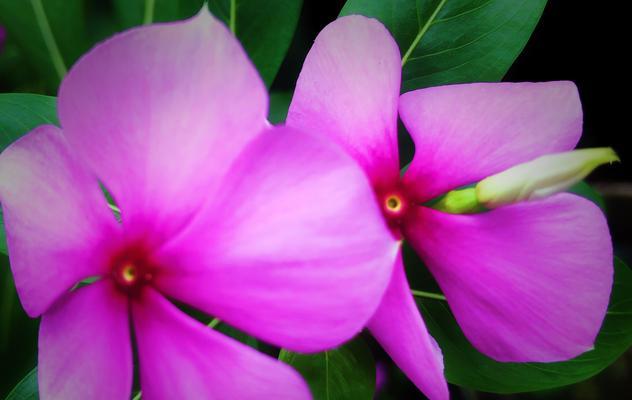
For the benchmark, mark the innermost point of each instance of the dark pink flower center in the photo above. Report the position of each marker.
(394, 204)
(131, 269)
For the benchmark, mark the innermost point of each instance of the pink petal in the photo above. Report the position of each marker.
(293, 250)
(400, 330)
(55, 215)
(84, 346)
(159, 112)
(464, 133)
(348, 91)
(528, 282)
(183, 359)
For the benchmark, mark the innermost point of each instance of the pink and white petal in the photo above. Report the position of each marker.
(348, 91)
(159, 112)
(527, 282)
(464, 133)
(298, 254)
(183, 359)
(85, 350)
(55, 215)
(402, 333)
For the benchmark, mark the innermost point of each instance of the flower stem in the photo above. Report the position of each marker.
(214, 322)
(49, 39)
(149, 12)
(428, 295)
(232, 19)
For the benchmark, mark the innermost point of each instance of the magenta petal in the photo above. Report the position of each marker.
(528, 282)
(464, 133)
(55, 215)
(159, 112)
(348, 91)
(84, 346)
(400, 330)
(183, 359)
(299, 254)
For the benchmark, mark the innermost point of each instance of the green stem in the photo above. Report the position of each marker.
(232, 21)
(214, 322)
(137, 397)
(422, 32)
(49, 39)
(428, 295)
(149, 12)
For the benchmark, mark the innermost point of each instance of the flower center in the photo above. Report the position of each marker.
(393, 206)
(130, 270)
(393, 203)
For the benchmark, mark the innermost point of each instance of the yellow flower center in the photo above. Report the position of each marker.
(393, 203)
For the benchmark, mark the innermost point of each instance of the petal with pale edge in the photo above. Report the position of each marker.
(85, 350)
(159, 112)
(464, 133)
(400, 330)
(55, 215)
(527, 282)
(183, 359)
(348, 91)
(298, 254)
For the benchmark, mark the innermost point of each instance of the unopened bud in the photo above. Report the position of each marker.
(541, 177)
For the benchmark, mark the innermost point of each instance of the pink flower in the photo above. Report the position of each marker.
(526, 282)
(271, 231)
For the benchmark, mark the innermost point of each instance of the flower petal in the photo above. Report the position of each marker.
(85, 350)
(464, 133)
(400, 330)
(348, 91)
(183, 359)
(55, 215)
(159, 112)
(527, 282)
(298, 253)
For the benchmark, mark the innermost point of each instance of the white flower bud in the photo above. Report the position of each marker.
(541, 177)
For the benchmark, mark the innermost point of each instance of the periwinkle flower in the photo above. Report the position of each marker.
(528, 281)
(272, 231)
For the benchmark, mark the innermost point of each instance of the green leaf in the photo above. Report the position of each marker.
(454, 41)
(136, 12)
(279, 105)
(265, 29)
(583, 189)
(238, 335)
(347, 372)
(465, 366)
(19, 113)
(26, 389)
(50, 33)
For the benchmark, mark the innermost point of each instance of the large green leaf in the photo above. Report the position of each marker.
(136, 12)
(346, 373)
(50, 33)
(454, 41)
(279, 105)
(264, 28)
(26, 389)
(465, 366)
(18, 333)
(19, 113)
